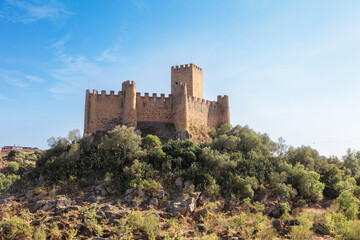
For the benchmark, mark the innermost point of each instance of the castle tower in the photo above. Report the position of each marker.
(180, 111)
(129, 115)
(224, 109)
(191, 75)
(87, 113)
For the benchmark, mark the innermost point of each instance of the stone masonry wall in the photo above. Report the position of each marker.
(101, 110)
(204, 113)
(197, 82)
(155, 109)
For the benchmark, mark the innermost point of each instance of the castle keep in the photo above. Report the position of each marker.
(183, 110)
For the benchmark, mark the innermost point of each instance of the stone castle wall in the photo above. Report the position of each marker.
(154, 108)
(102, 111)
(180, 109)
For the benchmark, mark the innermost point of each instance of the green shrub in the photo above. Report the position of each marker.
(307, 183)
(6, 181)
(347, 204)
(241, 188)
(284, 208)
(122, 142)
(208, 185)
(301, 203)
(303, 230)
(226, 143)
(340, 227)
(13, 167)
(283, 189)
(150, 141)
(237, 223)
(149, 224)
(16, 228)
(39, 234)
(38, 191)
(216, 161)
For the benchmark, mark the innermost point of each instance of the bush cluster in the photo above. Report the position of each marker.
(238, 162)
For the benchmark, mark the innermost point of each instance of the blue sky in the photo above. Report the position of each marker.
(290, 68)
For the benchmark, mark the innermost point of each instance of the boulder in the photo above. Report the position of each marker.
(170, 213)
(103, 192)
(45, 205)
(41, 180)
(182, 209)
(191, 207)
(179, 199)
(100, 214)
(264, 199)
(160, 194)
(273, 210)
(140, 193)
(128, 198)
(72, 208)
(179, 182)
(29, 194)
(113, 215)
(187, 183)
(96, 182)
(201, 213)
(106, 207)
(129, 191)
(136, 203)
(195, 195)
(201, 227)
(84, 230)
(277, 224)
(154, 202)
(191, 200)
(63, 202)
(283, 199)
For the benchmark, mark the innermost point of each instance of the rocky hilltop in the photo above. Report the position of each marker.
(239, 185)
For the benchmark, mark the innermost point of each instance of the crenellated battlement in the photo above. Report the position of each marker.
(104, 93)
(208, 103)
(185, 67)
(129, 83)
(184, 107)
(154, 97)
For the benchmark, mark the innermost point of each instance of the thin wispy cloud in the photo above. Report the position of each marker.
(108, 55)
(139, 4)
(3, 98)
(18, 79)
(31, 11)
(76, 72)
(59, 50)
(33, 78)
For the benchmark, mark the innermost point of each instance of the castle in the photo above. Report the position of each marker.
(168, 117)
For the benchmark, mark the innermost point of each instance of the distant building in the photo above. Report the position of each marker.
(10, 148)
(168, 117)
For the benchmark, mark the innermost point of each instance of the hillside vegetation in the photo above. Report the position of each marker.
(240, 185)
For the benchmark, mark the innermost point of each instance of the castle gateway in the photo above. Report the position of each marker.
(180, 115)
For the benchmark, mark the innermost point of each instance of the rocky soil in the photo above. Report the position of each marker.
(67, 211)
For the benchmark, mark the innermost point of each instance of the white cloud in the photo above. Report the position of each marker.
(139, 4)
(30, 11)
(34, 78)
(77, 72)
(18, 79)
(109, 55)
(3, 98)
